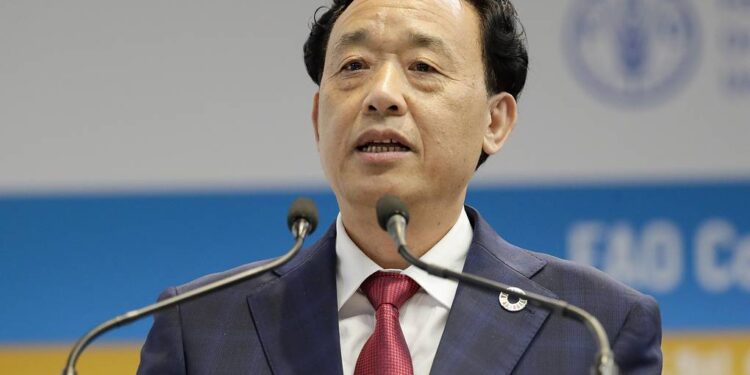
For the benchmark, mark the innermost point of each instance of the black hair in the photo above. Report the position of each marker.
(504, 52)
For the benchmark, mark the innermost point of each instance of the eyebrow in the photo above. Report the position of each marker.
(350, 39)
(416, 39)
(429, 42)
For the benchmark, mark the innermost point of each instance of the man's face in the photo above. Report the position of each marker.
(403, 107)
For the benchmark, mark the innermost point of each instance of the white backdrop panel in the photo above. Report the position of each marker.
(103, 95)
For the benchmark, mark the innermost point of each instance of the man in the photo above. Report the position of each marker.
(413, 95)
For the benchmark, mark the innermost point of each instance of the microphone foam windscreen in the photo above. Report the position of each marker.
(303, 208)
(389, 205)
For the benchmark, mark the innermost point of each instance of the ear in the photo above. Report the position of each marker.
(503, 112)
(316, 99)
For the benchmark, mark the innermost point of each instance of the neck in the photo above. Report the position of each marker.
(427, 225)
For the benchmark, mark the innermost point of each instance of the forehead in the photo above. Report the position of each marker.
(452, 6)
(454, 21)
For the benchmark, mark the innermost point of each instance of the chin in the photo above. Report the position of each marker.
(369, 190)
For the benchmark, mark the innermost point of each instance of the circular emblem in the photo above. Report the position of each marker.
(632, 52)
(513, 306)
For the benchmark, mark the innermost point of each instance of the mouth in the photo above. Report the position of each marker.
(383, 146)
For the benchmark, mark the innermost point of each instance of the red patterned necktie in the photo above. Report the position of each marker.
(385, 352)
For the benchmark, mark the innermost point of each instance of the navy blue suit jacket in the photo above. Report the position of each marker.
(286, 321)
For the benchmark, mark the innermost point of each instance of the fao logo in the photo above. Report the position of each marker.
(633, 53)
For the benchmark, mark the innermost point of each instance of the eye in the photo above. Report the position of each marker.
(353, 66)
(422, 67)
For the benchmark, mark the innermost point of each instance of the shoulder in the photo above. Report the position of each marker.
(581, 285)
(591, 289)
(632, 319)
(305, 258)
(570, 279)
(213, 277)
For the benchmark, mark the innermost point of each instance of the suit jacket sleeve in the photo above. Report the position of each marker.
(163, 353)
(637, 346)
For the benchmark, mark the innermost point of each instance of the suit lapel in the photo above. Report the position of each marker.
(480, 337)
(296, 316)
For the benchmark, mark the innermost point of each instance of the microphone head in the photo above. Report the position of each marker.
(387, 206)
(302, 208)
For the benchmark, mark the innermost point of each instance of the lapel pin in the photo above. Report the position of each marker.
(513, 306)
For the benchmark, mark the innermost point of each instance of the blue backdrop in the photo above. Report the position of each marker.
(70, 262)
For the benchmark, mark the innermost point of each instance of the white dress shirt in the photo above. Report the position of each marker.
(422, 317)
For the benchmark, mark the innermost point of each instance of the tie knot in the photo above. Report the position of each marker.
(389, 288)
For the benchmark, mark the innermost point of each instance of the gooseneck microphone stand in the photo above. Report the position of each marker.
(393, 217)
(302, 220)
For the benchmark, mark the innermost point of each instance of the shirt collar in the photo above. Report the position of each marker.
(353, 266)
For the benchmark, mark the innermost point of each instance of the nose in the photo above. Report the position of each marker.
(386, 96)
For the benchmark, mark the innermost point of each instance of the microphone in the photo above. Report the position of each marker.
(393, 217)
(302, 220)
